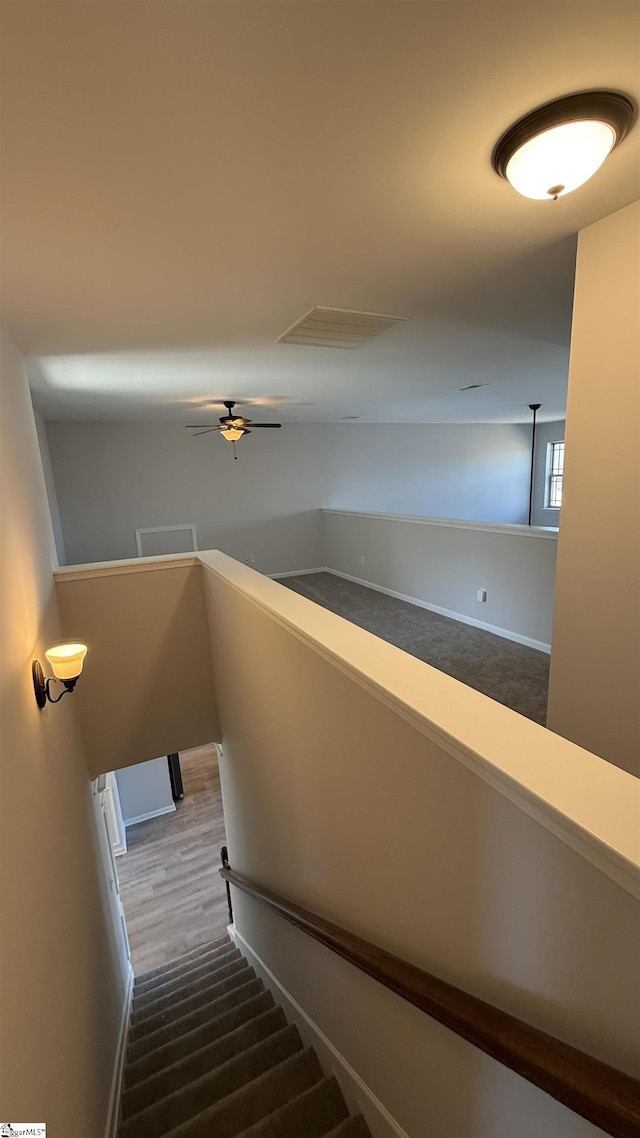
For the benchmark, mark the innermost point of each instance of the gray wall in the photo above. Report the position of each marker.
(444, 564)
(145, 790)
(112, 478)
(475, 471)
(545, 433)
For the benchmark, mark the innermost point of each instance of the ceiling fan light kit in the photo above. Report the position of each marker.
(560, 145)
(231, 427)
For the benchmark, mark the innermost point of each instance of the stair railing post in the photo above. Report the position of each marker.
(224, 857)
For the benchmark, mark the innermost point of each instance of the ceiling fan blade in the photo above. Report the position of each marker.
(207, 431)
(272, 425)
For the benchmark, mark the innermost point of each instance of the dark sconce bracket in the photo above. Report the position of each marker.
(42, 687)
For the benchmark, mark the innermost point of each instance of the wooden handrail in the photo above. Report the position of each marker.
(605, 1096)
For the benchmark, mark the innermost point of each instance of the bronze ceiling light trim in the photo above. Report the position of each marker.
(558, 146)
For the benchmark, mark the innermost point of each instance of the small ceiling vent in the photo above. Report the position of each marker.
(337, 328)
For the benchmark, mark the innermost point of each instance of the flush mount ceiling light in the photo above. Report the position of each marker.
(560, 145)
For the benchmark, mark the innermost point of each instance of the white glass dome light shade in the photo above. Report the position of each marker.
(67, 660)
(231, 433)
(560, 159)
(557, 146)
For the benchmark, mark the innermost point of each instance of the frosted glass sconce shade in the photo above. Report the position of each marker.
(232, 434)
(67, 661)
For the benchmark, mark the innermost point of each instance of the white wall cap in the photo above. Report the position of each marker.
(455, 523)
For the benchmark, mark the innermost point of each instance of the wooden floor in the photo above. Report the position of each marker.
(172, 895)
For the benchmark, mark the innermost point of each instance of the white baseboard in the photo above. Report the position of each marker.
(298, 572)
(506, 633)
(360, 1099)
(113, 1111)
(151, 814)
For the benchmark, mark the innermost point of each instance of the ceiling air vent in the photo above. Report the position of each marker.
(338, 328)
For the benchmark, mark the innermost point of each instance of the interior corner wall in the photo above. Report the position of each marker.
(113, 478)
(473, 471)
(49, 481)
(595, 659)
(63, 978)
(163, 700)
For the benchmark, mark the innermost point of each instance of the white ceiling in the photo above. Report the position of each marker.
(182, 180)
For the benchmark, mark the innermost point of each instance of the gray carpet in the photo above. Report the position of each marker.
(510, 673)
(209, 1054)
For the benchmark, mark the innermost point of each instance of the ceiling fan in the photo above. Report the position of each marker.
(230, 426)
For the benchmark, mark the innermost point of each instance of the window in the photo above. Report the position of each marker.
(553, 478)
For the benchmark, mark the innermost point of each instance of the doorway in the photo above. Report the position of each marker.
(172, 895)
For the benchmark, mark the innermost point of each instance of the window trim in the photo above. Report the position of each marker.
(551, 474)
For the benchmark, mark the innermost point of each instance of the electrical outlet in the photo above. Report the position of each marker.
(362, 559)
(252, 558)
(481, 595)
(247, 560)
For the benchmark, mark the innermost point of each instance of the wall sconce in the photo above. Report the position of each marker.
(66, 661)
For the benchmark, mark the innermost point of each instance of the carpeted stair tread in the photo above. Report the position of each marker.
(178, 1047)
(250, 1103)
(159, 989)
(181, 964)
(206, 946)
(308, 1115)
(181, 970)
(200, 1094)
(207, 1058)
(211, 1056)
(186, 1025)
(153, 1002)
(177, 1005)
(355, 1127)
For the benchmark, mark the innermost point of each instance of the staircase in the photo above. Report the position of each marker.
(211, 1056)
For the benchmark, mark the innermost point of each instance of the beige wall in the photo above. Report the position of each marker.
(341, 791)
(62, 976)
(445, 564)
(147, 687)
(595, 662)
